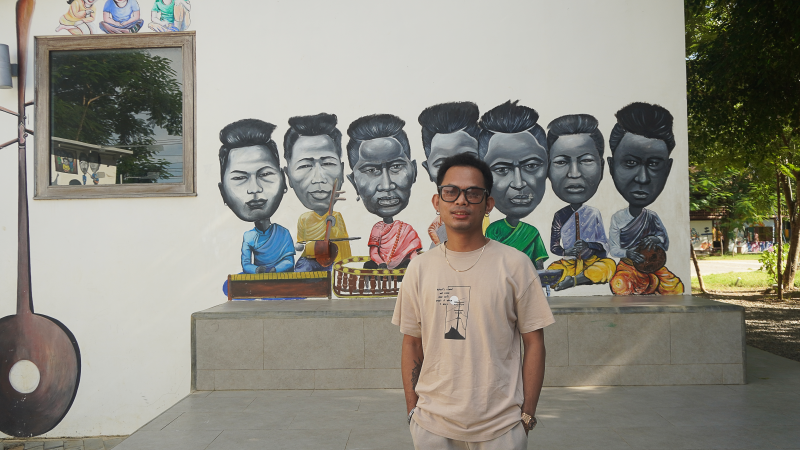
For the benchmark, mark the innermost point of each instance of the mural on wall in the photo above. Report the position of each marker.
(78, 17)
(170, 15)
(124, 16)
(252, 186)
(641, 143)
(577, 234)
(447, 129)
(121, 17)
(521, 156)
(514, 146)
(312, 148)
(65, 161)
(40, 361)
(383, 173)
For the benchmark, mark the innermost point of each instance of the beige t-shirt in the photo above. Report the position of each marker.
(470, 385)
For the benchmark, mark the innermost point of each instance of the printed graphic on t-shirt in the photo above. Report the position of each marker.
(456, 301)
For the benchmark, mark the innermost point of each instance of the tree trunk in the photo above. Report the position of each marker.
(697, 269)
(793, 215)
(793, 256)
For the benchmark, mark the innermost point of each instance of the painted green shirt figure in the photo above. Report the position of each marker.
(167, 12)
(523, 237)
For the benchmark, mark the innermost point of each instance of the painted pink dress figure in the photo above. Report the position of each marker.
(383, 173)
(393, 244)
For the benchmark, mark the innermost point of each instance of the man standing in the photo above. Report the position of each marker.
(464, 307)
(641, 143)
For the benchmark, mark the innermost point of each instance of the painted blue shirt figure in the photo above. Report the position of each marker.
(271, 249)
(252, 186)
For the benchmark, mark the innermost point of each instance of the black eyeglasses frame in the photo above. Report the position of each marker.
(464, 191)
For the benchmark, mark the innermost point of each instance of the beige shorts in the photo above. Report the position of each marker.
(513, 439)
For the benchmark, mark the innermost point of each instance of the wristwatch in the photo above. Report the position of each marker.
(528, 421)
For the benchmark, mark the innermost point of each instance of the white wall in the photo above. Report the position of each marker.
(139, 267)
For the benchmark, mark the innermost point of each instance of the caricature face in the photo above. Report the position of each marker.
(519, 170)
(446, 145)
(252, 185)
(383, 176)
(312, 169)
(575, 168)
(640, 167)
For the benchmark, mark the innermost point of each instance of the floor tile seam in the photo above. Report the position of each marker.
(215, 438)
(349, 432)
(168, 423)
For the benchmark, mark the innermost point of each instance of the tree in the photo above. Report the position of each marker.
(743, 86)
(117, 98)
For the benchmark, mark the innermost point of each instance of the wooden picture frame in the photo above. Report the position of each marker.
(44, 45)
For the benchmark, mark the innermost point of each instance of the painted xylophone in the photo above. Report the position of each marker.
(280, 285)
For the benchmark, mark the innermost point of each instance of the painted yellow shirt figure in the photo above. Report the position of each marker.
(311, 227)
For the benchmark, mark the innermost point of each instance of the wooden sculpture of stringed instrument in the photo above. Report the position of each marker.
(26, 339)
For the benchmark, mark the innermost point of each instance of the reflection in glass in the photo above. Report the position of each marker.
(116, 116)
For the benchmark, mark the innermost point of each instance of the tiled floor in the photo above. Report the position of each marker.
(764, 414)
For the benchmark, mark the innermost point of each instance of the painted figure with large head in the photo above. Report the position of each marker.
(577, 233)
(447, 129)
(641, 143)
(252, 186)
(383, 172)
(312, 148)
(514, 146)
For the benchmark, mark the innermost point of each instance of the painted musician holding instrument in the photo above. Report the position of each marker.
(312, 147)
(641, 143)
(577, 234)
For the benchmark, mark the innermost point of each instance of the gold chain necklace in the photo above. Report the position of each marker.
(470, 267)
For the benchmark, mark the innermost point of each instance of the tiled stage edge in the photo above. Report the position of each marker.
(351, 344)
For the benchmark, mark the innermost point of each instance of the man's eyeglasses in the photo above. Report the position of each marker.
(450, 193)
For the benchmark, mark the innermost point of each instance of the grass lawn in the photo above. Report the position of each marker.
(755, 279)
(730, 257)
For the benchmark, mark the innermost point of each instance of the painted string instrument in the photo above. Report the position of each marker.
(27, 338)
(326, 251)
(578, 257)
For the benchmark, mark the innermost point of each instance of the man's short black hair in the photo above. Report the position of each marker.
(466, 160)
(316, 125)
(644, 119)
(575, 124)
(372, 127)
(245, 133)
(510, 118)
(446, 118)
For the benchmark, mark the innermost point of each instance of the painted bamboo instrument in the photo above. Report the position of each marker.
(26, 337)
(359, 282)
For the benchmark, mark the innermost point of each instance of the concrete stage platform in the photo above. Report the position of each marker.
(763, 414)
(351, 343)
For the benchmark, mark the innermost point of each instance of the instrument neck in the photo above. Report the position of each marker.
(24, 297)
